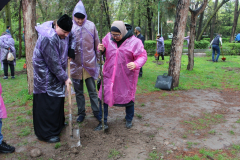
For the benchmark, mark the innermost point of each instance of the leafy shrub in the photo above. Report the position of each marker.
(203, 44)
(16, 45)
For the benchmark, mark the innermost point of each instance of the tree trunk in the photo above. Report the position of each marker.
(20, 31)
(209, 20)
(213, 21)
(41, 9)
(149, 18)
(200, 23)
(194, 15)
(8, 16)
(106, 8)
(235, 21)
(132, 14)
(177, 41)
(29, 18)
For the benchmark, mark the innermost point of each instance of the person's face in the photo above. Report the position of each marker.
(135, 31)
(79, 21)
(158, 37)
(61, 33)
(9, 28)
(116, 35)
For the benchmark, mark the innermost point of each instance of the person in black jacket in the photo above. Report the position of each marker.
(140, 36)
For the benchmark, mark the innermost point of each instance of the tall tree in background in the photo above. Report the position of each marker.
(177, 41)
(20, 31)
(209, 20)
(235, 21)
(213, 21)
(8, 16)
(194, 15)
(29, 18)
(200, 23)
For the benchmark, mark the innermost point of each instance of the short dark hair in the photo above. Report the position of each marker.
(8, 27)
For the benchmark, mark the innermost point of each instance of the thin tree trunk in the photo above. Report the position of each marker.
(41, 9)
(106, 8)
(20, 31)
(29, 18)
(194, 15)
(8, 16)
(209, 20)
(132, 14)
(177, 41)
(235, 21)
(213, 21)
(149, 18)
(200, 23)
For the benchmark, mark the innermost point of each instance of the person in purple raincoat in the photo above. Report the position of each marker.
(7, 45)
(187, 38)
(125, 55)
(84, 41)
(49, 63)
(160, 46)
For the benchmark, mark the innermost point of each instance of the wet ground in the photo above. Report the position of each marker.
(165, 122)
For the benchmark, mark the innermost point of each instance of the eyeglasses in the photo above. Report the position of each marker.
(115, 35)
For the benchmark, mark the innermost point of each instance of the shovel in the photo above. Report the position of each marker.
(74, 131)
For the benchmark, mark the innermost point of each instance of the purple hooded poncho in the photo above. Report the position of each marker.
(6, 41)
(50, 61)
(84, 41)
(160, 45)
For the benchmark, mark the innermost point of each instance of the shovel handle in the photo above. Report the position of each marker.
(70, 102)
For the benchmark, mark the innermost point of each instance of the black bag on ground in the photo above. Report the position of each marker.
(164, 82)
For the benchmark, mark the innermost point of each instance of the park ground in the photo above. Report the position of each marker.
(198, 120)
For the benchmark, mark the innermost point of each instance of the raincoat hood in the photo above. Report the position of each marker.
(129, 34)
(79, 8)
(46, 29)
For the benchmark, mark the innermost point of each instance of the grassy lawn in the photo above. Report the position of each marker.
(205, 75)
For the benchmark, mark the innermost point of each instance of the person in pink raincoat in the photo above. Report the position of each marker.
(125, 55)
(4, 147)
(84, 42)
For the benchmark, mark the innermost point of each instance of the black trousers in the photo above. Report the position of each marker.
(140, 72)
(5, 67)
(48, 115)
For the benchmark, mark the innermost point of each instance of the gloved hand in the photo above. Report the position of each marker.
(71, 53)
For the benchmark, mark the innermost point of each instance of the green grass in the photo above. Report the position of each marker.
(212, 132)
(25, 131)
(138, 115)
(113, 153)
(204, 75)
(215, 154)
(57, 145)
(206, 120)
(154, 155)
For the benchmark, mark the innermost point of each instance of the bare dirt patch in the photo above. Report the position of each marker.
(158, 128)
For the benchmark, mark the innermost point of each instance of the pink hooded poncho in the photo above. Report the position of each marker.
(3, 112)
(120, 83)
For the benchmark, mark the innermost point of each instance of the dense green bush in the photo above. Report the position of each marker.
(224, 40)
(16, 45)
(228, 49)
(203, 44)
(150, 46)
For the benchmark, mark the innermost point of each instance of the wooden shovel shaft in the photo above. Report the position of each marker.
(70, 103)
